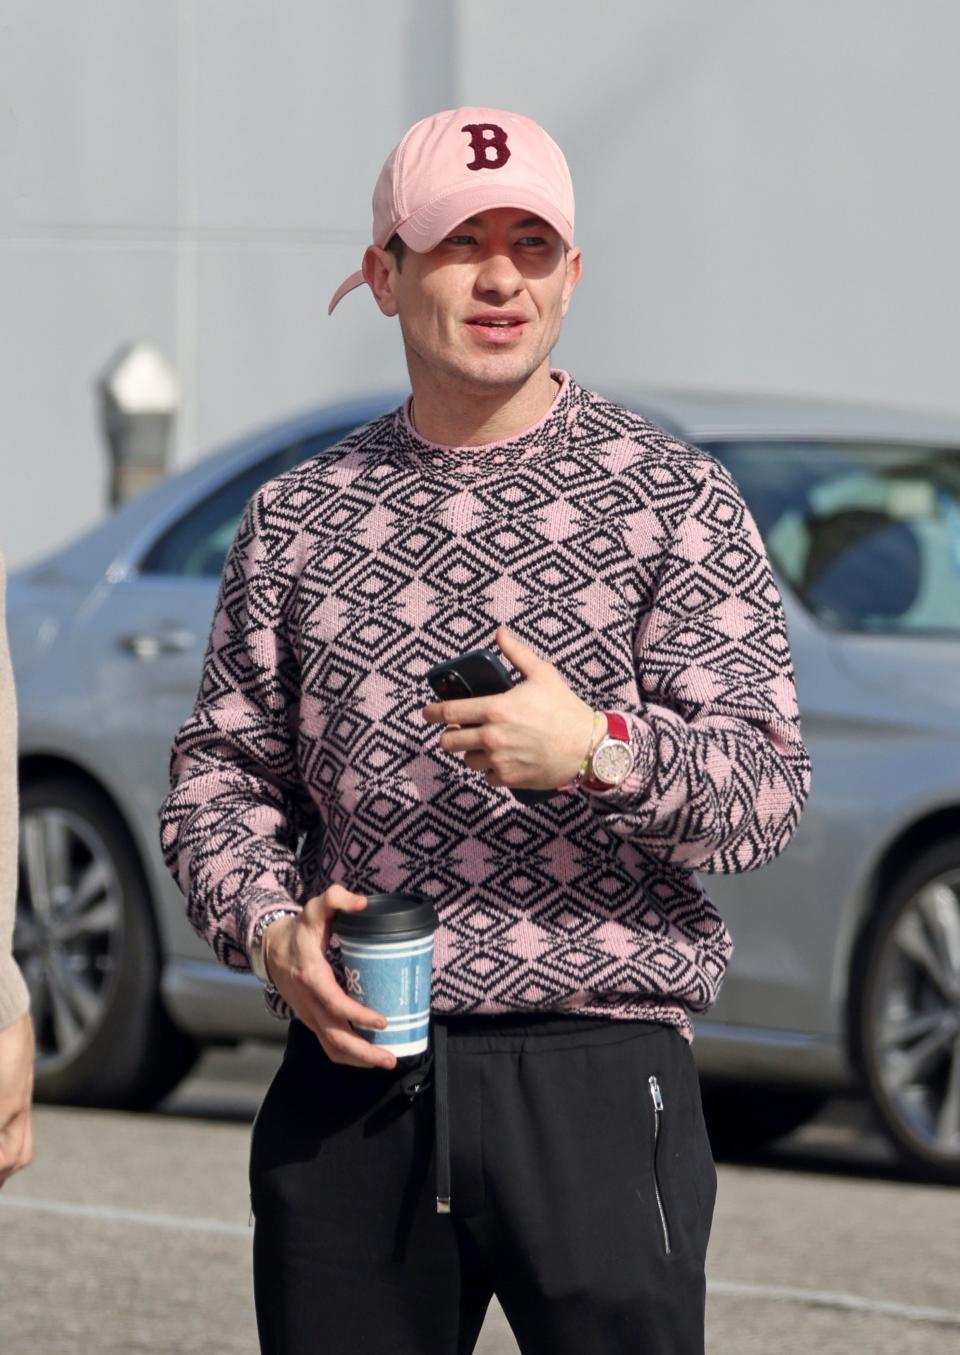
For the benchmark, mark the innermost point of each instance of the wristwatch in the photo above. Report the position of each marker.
(612, 760)
(257, 962)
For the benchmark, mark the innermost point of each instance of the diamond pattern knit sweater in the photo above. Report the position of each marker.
(625, 557)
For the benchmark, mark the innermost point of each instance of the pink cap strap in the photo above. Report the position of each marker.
(354, 280)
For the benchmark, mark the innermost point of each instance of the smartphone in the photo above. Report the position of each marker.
(478, 673)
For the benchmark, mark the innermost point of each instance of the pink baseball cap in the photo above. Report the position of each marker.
(463, 161)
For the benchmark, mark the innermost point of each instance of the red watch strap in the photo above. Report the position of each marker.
(617, 727)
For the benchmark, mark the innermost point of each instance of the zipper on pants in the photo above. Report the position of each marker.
(657, 1100)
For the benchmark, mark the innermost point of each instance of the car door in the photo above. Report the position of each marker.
(863, 537)
(785, 917)
(148, 634)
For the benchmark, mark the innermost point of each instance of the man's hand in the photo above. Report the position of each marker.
(16, 1091)
(533, 737)
(294, 951)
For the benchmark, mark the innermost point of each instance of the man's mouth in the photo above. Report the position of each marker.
(498, 321)
(497, 329)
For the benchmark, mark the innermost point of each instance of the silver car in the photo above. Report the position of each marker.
(847, 965)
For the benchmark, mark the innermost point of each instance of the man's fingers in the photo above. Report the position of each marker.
(347, 1047)
(472, 710)
(331, 1016)
(342, 1044)
(454, 739)
(16, 1146)
(345, 1008)
(523, 658)
(342, 900)
(26, 1156)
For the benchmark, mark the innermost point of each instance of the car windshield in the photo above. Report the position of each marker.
(866, 535)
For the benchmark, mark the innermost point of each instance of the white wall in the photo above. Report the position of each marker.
(767, 200)
(767, 191)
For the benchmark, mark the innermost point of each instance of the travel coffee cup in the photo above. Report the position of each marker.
(387, 952)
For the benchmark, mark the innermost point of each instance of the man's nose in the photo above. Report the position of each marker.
(499, 276)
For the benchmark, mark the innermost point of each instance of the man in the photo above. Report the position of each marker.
(16, 1028)
(620, 574)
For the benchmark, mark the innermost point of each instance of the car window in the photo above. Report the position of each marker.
(866, 535)
(196, 546)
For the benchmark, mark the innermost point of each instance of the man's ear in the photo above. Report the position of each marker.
(574, 270)
(379, 269)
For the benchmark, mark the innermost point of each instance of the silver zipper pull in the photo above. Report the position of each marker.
(655, 1093)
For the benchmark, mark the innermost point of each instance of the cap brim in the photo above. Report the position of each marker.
(354, 280)
(427, 226)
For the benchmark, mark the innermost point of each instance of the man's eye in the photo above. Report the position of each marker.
(532, 240)
(460, 240)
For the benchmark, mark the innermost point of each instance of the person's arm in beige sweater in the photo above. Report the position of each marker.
(16, 1029)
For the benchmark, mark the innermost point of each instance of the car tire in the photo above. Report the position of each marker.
(906, 1013)
(87, 943)
(743, 1119)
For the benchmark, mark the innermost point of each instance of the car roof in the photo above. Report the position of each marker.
(697, 415)
(705, 415)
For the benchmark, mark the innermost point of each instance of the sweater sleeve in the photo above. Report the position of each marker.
(721, 772)
(14, 1000)
(230, 823)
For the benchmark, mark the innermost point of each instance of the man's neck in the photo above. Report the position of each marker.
(455, 414)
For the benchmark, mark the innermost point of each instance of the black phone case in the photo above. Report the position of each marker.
(479, 672)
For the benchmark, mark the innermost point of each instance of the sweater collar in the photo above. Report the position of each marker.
(491, 458)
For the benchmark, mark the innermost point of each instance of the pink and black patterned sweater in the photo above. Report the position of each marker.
(625, 557)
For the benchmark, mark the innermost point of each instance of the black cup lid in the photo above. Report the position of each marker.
(387, 915)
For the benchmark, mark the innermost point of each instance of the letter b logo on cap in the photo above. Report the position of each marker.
(487, 137)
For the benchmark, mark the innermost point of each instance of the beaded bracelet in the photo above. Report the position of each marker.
(598, 723)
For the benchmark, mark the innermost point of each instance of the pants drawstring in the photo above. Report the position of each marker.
(442, 1109)
(415, 1081)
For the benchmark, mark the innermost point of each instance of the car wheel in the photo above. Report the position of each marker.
(907, 1013)
(86, 942)
(742, 1119)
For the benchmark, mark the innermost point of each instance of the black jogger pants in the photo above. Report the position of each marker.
(582, 1196)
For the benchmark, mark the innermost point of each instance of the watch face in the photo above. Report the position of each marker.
(613, 762)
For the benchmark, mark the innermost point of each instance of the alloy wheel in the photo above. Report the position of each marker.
(915, 1024)
(69, 930)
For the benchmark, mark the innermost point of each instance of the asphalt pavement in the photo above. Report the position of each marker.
(130, 1234)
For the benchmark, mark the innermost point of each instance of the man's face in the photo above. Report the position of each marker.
(486, 304)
